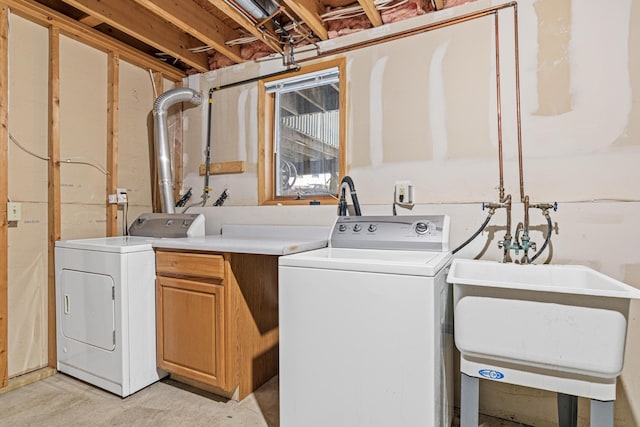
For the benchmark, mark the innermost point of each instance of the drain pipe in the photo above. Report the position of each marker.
(163, 155)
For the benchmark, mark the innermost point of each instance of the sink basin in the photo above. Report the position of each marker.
(527, 324)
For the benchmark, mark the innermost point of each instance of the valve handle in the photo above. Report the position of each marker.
(555, 206)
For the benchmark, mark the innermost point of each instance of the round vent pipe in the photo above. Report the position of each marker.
(163, 153)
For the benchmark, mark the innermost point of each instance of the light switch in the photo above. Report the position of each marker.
(14, 211)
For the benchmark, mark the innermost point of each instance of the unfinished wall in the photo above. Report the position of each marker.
(423, 109)
(28, 185)
(83, 114)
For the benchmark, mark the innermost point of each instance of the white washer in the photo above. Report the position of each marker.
(105, 305)
(365, 326)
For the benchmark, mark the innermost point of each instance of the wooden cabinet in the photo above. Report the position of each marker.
(190, 332)
(217, 318)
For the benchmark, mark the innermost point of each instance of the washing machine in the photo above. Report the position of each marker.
(105, 303)
(366, 335)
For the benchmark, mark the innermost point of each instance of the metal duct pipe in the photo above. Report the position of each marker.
(160, 107)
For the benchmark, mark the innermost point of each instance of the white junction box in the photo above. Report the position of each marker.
(404, 193)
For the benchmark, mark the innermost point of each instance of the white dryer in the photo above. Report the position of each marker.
(366, 326)
(105, 304)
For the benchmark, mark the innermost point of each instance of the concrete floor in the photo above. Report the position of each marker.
(60, 400)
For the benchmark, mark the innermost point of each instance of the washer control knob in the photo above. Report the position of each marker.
(422, 228)
(357, 228)
(372, 228)
(342, 227)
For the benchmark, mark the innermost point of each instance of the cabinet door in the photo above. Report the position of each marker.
(190, 317)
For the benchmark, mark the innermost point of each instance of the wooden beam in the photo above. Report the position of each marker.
(54, 184)
(193, 19)
(242, 20)
(309, 11)
(156, 201)
(90, 21)
(178, 150)
(35, 12)
(146, 26)
(224, 168)
(4, 191)
(372, 12)
(113, 107)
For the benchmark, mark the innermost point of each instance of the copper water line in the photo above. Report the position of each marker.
(413, 31)
(446, 23)
(499, 109)
(518, 115)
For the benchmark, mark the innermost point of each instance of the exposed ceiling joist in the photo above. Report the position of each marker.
(91, 21)
(146, 26)
(194, 20)
(372, 12)
(44, 16)
(242, 20)
(309, 11)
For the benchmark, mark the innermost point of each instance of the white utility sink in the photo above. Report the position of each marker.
(555, 327)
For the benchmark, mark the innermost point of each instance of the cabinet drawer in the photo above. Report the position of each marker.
(190, 264)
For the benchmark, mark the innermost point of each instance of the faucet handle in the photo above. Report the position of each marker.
(532, 245)
(501, 244)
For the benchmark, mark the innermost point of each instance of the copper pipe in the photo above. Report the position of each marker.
(499, 108)
(518, 115)
(446, 23)
(526, 213)
(413, 31)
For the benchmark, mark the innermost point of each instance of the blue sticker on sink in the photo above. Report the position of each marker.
(491, 374)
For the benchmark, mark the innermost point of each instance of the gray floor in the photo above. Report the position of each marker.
(63, 401)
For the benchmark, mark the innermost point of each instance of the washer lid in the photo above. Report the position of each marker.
(413, 263)
(117, 244)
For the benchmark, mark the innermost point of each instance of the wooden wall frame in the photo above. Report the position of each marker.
(57, 25)
(4, 190)
(54, 226)
(113, 107)
(266, 186)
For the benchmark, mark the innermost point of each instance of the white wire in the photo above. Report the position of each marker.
(153, 84)
(73, 160)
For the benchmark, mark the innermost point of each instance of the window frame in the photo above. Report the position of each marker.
(266, 131)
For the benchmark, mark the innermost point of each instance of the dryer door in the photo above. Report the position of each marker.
(88, 308)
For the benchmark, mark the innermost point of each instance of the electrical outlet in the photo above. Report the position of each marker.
(122, 196)
(404, 193)
(14, 211)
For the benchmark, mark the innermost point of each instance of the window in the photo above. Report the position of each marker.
(302, 135)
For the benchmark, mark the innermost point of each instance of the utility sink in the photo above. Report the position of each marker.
(556, 327)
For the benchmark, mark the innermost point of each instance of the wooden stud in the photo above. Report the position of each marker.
(54, 183)
(4, 190)
(113, 85)
(90, 21)
(309, 11)
(36, 12)
(223, 168)
(156, 202)
(242, 20)
(148, 27)
(194, 19)
(371, 11)
(177, 146)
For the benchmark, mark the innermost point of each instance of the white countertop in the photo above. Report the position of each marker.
(264, 240)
